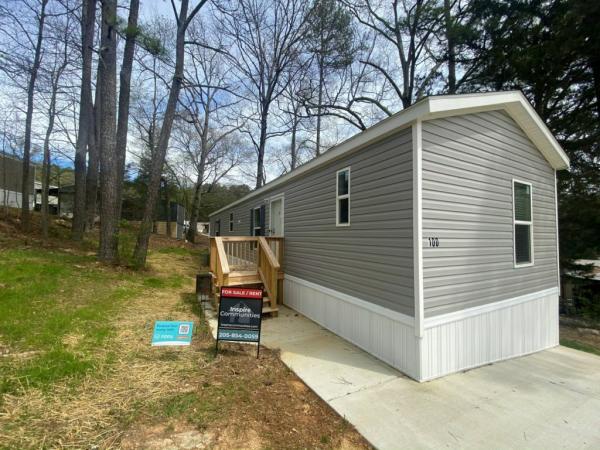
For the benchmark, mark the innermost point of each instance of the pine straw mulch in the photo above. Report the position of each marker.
(159, 398)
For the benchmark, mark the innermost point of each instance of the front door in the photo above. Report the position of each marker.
(276, 217)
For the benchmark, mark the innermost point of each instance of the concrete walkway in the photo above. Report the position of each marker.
(548, 400)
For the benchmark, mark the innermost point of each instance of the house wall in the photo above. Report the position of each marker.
(469, 163)
(11, 171)
(372, 258)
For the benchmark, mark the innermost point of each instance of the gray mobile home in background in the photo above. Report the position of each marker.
(11, 179)
(430, 240)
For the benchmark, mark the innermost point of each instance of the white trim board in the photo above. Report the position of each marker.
(275, 198)
(417, 174)
(394, 315)
(442, 319)
(428, 322)
(513, 102)
(372, 328)
(517, 328)
(450, 343)
(557, 245)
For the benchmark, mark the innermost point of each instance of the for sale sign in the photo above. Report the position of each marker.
(240, 314)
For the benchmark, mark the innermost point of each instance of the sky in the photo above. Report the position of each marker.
(149, 10)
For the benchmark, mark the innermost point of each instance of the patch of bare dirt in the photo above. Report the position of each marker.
(588, 336)
(166, 437)
(174, 398)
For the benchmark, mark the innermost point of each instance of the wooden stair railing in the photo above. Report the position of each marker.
(219, 265)
(268, 269)
(237, 260)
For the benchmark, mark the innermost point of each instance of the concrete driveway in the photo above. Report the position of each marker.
(548, 400)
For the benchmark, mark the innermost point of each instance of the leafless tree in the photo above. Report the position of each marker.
(131, 33)
(207, 101)
(403, 60)
(60, 50)
(15, 14)
(108, 247)
(330, 41)
(86, 122)
(291, 104)
(264, 40)
(183, 19)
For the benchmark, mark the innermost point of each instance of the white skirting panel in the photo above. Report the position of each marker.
(386, 334)
(482, 335)
(451, 342)
(13, 199)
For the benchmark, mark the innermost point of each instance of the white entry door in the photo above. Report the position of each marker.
(276, 217)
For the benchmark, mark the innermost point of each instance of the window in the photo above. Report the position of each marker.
(523, 223)
(218, 228)
(230, 222)
(256, 222)
(343, 197)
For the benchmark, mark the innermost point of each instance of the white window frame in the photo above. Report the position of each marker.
(522, 222)
(231, 222)
(341, 197)
(271, 200)
(254, 227)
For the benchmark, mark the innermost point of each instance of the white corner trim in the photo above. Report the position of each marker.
(482, 309)
(557, 246)
(385, 312)
(417, 173)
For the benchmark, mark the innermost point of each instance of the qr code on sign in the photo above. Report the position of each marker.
(184, 329)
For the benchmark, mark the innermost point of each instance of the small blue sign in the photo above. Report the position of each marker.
(172, 333)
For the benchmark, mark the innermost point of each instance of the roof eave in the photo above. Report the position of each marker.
(513, 102)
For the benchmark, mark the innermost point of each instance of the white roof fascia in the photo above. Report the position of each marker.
(516, 105)
(513, 102)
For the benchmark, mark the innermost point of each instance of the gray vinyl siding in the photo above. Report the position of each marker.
(371, 259)
(241, 217)
(11, 174)
(469, 163)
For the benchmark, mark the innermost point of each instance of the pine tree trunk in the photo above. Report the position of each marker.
(293, 150)
(26, 177)
(167, 209)
(91, 180)
(141, 248)
(260, 168)
(109, 226)
(87, 41)
(46, 158)
(193, 229)
(320, 102)
(124, 94)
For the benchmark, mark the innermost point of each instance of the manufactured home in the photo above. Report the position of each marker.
(11, 182)
(429, 240)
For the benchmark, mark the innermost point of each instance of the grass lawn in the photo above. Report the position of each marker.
(584, 339)
(577, 345)
(77, 370)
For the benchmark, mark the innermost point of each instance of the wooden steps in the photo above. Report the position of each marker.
(248, 261)
(268, 308)
(242, 278)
